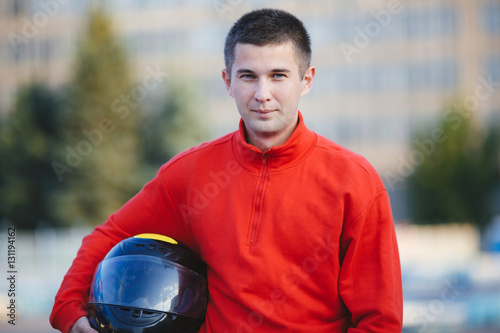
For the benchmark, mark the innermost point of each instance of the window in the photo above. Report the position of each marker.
(431, 21)
(15, 7)
(440, 74)
(493, 68)
(46, 50)
(141, 5)
(491, 17)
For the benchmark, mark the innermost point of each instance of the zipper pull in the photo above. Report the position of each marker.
(264, 157)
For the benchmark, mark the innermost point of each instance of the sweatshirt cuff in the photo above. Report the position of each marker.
(67, 316)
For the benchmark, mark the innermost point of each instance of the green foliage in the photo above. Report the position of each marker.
(101, 169)
(28, 144)
(456, 180)
(174, 127)
(78, 158)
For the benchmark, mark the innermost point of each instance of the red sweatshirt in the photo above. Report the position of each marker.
(297, 239)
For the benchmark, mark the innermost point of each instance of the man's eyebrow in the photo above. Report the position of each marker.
(243, 70)
(249, 71)
(280, 70)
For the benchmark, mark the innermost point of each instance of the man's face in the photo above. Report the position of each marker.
(267, 87)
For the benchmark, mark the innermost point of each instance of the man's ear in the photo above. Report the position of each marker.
(227, 81)
(308, 80)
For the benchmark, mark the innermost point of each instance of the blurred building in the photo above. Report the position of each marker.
(384, 67)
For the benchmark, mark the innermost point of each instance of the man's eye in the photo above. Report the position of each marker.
(279, 76)
(247, 76)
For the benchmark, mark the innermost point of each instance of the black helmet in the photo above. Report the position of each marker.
(148, 284)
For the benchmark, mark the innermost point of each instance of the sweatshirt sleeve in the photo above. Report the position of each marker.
(150, 211)
(370, 275)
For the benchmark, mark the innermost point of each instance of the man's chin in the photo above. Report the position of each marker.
(265, 133)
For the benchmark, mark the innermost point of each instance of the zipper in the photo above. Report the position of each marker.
(259, 199)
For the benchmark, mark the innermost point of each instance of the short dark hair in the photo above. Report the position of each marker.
(269, 27)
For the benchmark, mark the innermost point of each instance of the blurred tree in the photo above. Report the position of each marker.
(101, 165)
(173, 127)
(28, 145)
(459, 172)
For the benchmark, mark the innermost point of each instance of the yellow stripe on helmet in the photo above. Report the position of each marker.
(158, 237)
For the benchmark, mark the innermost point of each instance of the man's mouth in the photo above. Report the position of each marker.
(263, 111)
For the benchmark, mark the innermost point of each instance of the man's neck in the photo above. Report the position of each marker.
(266, 141)
(265, 144)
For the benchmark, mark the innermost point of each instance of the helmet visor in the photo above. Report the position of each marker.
(149, 283)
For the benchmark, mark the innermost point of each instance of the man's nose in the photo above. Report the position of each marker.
(263, 91)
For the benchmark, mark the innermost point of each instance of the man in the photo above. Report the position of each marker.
(296, 231)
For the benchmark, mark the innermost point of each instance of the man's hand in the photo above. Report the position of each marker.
(82, 326)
